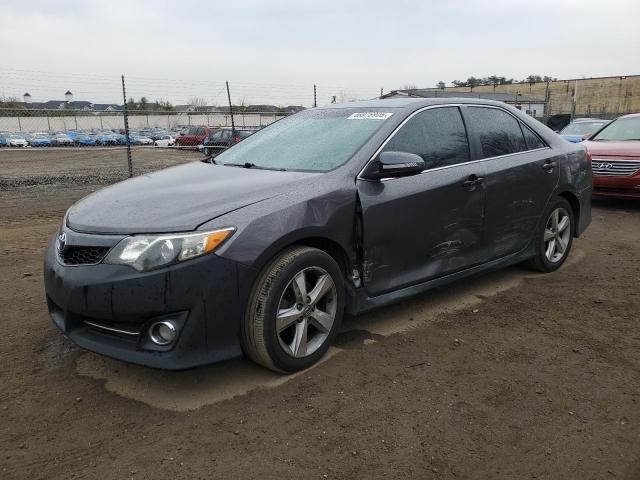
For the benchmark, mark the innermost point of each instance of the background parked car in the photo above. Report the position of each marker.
(39, 140)
(16, 140)
(106, 138)
(224, 138)
(3, 139)
(165, 141)
(581, 128)
(615, 152)
(61, 139)
(194, 136)
(144, 140)
(84, 140)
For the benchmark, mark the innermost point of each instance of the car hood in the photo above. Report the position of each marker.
(571, 137)
(628, 148)
(178, 199)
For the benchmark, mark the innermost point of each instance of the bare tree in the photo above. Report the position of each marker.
(197, 102)
(345, 97)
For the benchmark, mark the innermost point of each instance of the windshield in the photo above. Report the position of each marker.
(582, 128)
(313, 140)
(621, 129)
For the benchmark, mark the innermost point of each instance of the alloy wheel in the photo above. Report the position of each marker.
(557, 234)
(306, 312)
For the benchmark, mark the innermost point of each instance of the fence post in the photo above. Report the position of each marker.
(19, 123)
(126, 129)
(48, 123)
(315, 98)
(233, 127)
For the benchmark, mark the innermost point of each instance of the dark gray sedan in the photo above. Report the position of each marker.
(330, 210)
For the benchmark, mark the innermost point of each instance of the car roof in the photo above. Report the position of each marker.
(411, 103)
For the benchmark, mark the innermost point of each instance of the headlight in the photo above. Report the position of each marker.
(148, 252)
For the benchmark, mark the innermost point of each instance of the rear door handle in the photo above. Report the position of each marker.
(472, 182)
(548, 165)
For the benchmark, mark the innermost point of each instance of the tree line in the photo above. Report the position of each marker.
(495, 80)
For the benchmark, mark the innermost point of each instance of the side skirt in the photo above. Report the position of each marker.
(362, 303)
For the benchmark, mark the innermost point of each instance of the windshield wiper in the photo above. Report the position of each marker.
(243, 165)
(253, 165)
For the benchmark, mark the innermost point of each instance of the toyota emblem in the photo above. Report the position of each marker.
(62, 241)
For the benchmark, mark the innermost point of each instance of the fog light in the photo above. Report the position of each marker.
(162, 333)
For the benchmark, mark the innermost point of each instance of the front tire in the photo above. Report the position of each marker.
(294, 311)
(555, 238)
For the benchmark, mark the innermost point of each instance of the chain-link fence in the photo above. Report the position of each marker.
(77, 140)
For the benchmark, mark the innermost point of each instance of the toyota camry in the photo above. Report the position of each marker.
(262, 250)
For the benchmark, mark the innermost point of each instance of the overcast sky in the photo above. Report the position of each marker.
(274, 51)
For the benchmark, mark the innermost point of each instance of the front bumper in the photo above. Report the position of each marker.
(617, 186)
(108, 309)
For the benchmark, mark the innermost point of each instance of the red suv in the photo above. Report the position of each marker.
(194, 136)
(615, 158)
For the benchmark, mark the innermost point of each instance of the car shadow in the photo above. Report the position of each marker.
(191, 389)
(615, 203)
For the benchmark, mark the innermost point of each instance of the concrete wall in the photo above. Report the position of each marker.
(607, 96)
(42, 123)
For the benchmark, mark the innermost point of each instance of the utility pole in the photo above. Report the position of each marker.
(575, 100)
(380, 92)
(315, 98)
(126, 129)
(233, 125)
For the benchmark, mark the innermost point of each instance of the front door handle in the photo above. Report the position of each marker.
(472, 182)
(548, 165)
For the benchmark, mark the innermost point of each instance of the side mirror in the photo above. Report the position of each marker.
(394, 164)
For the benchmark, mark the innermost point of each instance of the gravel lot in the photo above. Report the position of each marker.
(511, 375)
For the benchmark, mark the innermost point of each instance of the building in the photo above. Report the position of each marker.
(533, 106)
(604, 97)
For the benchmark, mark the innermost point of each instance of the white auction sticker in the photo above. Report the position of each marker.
(369, 116)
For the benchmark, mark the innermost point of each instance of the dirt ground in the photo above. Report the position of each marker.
(511, 375)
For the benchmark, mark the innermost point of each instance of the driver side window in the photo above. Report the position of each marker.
(438, 135)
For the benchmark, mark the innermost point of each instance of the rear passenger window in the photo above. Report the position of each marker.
(499, 133)
(532, 139)
(437, 135)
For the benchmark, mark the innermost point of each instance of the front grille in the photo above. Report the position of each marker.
(74, 255)
(607, 168)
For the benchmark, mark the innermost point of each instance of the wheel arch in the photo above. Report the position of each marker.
(325, 243)
(572, 198)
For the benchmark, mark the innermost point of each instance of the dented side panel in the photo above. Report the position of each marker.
(420, 227)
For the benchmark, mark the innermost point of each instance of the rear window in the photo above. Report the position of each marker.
(533, 141)
(499, 133)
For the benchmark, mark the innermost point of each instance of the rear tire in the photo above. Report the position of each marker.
(554, 238)
(294, 311)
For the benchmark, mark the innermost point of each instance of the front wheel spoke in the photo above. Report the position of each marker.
(322, 286)
(321, 320)
(564, 223)
(299, 285)
(286, 317)
(548, 235)
(299, 344)
(554, 219)
(560, 243)
(551, 249)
